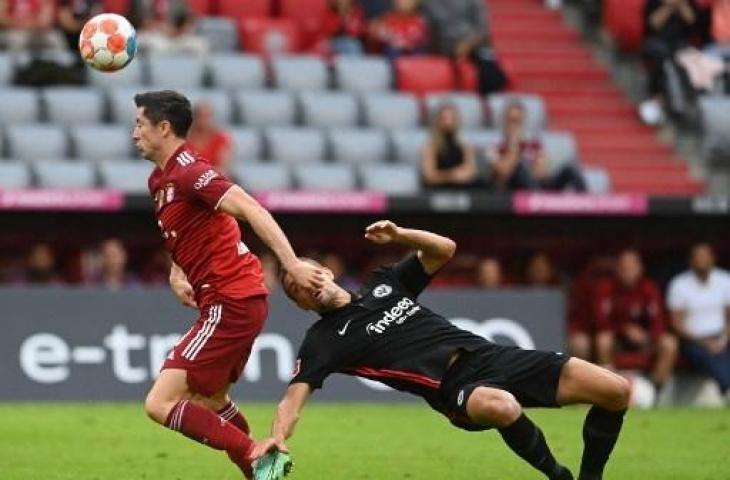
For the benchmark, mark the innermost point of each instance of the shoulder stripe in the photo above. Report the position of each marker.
(185, 159)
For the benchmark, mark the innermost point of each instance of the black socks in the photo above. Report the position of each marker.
(527, 441)
(600, 432)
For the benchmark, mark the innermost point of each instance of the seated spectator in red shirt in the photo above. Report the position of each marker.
(343, 28)
(109, 268)
(208, 139)
(489, 274)
(630, 318)
(719, 29)
(447, 161)
(402, 31)
(520, 163)
(28, 24)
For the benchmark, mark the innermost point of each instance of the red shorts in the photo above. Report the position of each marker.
(216, 348)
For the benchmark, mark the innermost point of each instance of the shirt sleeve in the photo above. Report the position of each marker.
(313, 364)
(410, 274)
(204, 182)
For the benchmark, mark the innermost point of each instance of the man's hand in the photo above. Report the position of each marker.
(262, 447)
(306, 275)
(636, 335)
(184, 292)
(382, 232)
(716, 345)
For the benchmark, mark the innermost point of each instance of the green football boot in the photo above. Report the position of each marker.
(273, 466)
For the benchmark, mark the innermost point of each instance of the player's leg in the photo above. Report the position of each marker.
(500, 409)
(226, 408)
(609, 393)
(667, 348)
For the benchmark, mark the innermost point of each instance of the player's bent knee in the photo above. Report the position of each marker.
(157, 408)
(496, 408)
(621, 394)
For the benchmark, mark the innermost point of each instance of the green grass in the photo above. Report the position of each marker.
(350, 442)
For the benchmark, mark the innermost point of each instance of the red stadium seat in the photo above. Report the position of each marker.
(200, 8)
(238, 9)
(308, 14)
(422, 75)
(117, 6)
(466, 76)
(270, 35)
(624, 21)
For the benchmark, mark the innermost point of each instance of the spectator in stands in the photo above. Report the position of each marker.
(630, 320)
(669, 26)
(520, 163)
(402, 31)
(447, 161)
(343, 29)
(489, 274)
(207, 138)
(719, 29)
(111, 269)
(174, 35)
(40, 266)
(28, 24)
(699, 300)
(540, 271)
(73, 14)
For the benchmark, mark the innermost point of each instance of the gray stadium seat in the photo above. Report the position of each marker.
(295, 145)
(481, 139)
(304, 72)
(356, 146)
(391, 110)
(560, 148)
(469, 105)
(101, 142)
(131, 75)
(247, 144)
(14, 174)
(19, 105)
(266, 108)
(129, 177)
(176, 71)
(257, 177)
(597, 180)
(219, 100)
(221, 33)
(73, 105)
(536, 119)
(324, 176)
(408, 144)
(64, 174)
(715, 121)
(363, 74)
(6, 68)
(237, 71)
(391, 179)
(34, 141)
(121, 104)
(324, 109)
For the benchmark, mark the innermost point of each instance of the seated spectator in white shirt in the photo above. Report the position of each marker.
(699, 301)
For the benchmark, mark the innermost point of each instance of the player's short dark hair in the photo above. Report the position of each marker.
(167, 105)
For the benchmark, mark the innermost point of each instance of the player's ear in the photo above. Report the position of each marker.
(165, 128)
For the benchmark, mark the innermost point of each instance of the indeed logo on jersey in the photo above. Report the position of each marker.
(401, 312)
(205, 179)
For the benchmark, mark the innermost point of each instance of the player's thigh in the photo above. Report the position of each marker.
(169, 388)
(584, 382)
(492, 407)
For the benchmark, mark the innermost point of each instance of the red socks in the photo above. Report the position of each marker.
(232, 414)
(202, 425)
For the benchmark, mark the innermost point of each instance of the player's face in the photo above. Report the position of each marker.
(317, 300)
(147, 136)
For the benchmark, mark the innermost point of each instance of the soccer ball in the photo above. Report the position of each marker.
(108, 42)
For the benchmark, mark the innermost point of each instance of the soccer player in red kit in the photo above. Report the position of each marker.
(213, 270)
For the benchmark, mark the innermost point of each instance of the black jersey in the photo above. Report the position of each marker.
(384, 334)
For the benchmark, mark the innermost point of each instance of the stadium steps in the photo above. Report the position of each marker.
(544, 56)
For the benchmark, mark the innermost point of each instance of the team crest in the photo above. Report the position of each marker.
(382, 290)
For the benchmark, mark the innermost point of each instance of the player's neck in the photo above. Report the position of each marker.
(342, 298)
(166, 152)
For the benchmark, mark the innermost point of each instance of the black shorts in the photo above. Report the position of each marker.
(532, 376)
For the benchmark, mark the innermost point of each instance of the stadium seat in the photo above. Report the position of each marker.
(101, 142)
(408, 144)
(266, 108)
(624, 21)
(131, 75)
(363, 74)
(295, 145)
(535, 107)
(302, 72)
(597, 180)
(73, 105)
(358, 145)
(391, 110)
(467, 76)
(219, 100)
(469, 105)
(247, 144)
(560, 148)
(234, 71)
(269, 36)
(176, 71)
(64, 174)
(483, 139)
(424, 74)
(221, 33)
(200, 8)
(715, 123)
(329, 109)
(14, 174)
(238, 9)
(129, 177)
(19, 105)
(6, 68)
(258, 177)
(309, 15)
(391, 179)
(323, 176)
(33, 141)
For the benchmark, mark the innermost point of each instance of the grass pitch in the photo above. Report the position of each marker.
(348, 442)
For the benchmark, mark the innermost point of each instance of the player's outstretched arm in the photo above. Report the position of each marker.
(287, 413)
(243, 206)
(433, 250)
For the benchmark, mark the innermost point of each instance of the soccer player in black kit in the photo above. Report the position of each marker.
(384, 334)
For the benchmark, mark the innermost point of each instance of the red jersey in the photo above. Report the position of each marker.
(24, 10)
(617, 305)
(352, 24)
(404, 31)
(205, 243)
